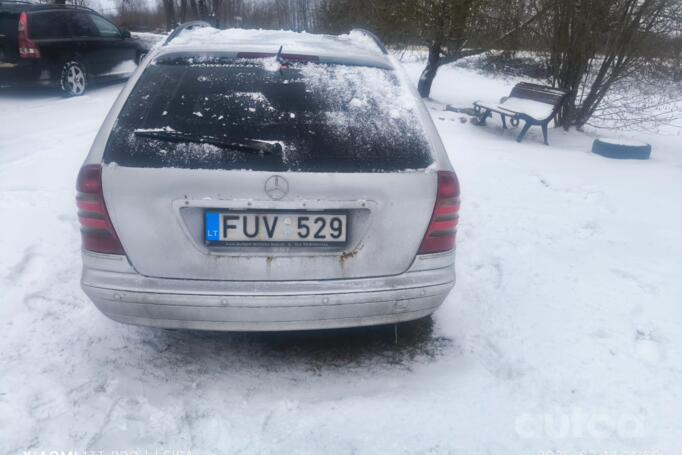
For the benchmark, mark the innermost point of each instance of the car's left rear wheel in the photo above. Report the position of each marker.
(140, 56)
(74, 79)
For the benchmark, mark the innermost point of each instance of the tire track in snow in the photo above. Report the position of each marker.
(17, 272)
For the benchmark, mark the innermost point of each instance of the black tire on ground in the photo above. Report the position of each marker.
(140, 57)
(74, 79)
(610, 148)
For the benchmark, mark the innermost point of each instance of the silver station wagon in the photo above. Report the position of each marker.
(257, 180)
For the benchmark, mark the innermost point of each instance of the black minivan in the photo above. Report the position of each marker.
(62, 45)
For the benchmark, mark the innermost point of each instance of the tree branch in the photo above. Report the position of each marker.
(462, 53)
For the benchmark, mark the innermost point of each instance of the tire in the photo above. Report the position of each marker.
(140, 57)
(626, 150)
(74, 79)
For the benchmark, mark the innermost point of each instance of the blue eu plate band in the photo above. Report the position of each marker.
(212, 226)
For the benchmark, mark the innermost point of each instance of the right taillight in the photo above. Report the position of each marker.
(97, 232)
(440, 236)
(27, 48)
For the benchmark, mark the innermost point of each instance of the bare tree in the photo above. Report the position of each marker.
(454, 29)
(596, 43)
(183, 11)
(216, 12)
(231, 13)
(676, 41)
(194, 8)
(444, 26)
(169, 8)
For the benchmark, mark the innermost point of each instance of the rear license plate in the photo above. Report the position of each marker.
(280, 228)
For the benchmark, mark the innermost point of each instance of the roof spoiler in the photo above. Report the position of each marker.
(186, 26)
(373, 37)
(46, 5)
(57, 5)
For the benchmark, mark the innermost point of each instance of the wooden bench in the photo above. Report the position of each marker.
(534, 104)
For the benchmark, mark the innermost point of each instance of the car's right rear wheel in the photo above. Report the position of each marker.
(73, 81)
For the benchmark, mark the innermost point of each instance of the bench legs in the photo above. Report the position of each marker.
(544, 133)
(528, 122)
(523, 132)
(483, 117)
(527, 126)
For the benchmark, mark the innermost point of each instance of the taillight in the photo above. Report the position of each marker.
(97, 232)
(440, 236)
(27, 48)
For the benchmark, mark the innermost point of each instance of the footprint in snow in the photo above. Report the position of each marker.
(588, 229)
(495, 360)
(634, 279)
(29, 266)
(648, 349)
(541, 181)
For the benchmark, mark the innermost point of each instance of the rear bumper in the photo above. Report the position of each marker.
(26, 73)
(125, 296)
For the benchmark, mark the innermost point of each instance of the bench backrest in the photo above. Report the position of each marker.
(536, 92)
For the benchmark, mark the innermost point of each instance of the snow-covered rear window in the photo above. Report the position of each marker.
(190, 113)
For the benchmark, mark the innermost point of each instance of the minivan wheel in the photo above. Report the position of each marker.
(73, 79)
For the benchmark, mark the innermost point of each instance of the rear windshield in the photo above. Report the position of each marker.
(322, 118)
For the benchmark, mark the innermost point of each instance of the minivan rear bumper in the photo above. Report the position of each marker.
(126, 296)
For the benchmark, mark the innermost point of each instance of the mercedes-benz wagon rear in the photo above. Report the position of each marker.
(235, 187)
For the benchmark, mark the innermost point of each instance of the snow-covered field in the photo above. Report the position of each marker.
(564, 332)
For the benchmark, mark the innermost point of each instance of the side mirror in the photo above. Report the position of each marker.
(125, 34)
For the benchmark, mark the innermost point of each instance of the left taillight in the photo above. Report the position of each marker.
(97, 232)
(27, 48)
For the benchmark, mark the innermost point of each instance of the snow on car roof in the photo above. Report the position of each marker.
(352, 48)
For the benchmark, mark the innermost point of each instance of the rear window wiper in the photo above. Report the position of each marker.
(241, 144)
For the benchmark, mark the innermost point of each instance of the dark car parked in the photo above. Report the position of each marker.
(62, 45)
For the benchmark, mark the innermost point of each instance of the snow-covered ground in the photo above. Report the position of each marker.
(564, 331)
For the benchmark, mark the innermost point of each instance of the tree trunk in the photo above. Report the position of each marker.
(677, 66)
(195, 10)
(430, 71)
(169, 7)
(456, 38)
(217, 13)
(203, 11)
(183, 10)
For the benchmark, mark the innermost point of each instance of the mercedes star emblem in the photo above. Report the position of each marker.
(276, 187)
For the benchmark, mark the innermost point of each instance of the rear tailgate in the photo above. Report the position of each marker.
(158, 215)
(349, 141)
(9, 50)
